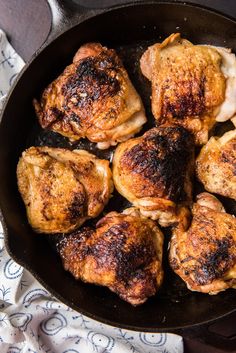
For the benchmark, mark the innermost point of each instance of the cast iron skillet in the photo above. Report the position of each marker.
(133, 26)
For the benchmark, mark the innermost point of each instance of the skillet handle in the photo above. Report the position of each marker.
(216, 337)
(66, 14)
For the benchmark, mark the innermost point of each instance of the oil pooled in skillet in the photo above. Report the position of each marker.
(173, 288)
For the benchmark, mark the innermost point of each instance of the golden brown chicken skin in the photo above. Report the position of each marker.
(92, 98)
(61, 189)
(192, 85)
(124, 253)
(204, 256)
(216, 165)
(154, 172)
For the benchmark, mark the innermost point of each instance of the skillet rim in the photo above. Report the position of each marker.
(84, 17)
(95, 13)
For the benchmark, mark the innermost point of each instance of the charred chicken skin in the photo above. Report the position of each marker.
(123, 253)
(216, 165)
(192, 85)
(154, 172)
(61, 189)
(204, 256)
(92, 98)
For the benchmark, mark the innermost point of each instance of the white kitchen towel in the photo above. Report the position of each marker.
(31, 320)
(10, 65)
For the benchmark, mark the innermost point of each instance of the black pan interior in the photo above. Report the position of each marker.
(129, 29)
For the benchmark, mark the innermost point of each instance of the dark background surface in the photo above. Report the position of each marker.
(27, 24)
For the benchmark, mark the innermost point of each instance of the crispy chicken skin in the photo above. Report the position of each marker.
(124, 253)
(154, 172)
(204, 256)
(192, 85)
(216, 165)
(61, 189)
(92, 98)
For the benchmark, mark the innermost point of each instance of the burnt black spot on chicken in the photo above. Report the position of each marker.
(215, 263)
(74, 245)
(162, 158)
(96, 78)
(77, 207)
(76, 237)
(52, 116)
(74, 117)
(190, 102)
(134, 261)
(110, 244)
(114, 250)
(228, 156)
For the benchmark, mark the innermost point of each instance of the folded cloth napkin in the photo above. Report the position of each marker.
(31, 320)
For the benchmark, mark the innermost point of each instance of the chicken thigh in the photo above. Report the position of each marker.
(204, 256)
(92, 98)
(154, 172)
(61, 189)
(124, 253)
(216, 165)
(192, 85)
